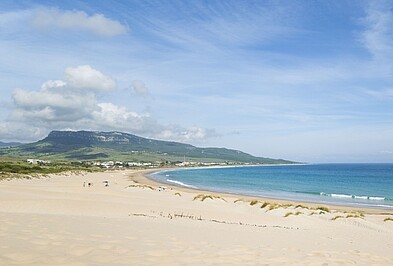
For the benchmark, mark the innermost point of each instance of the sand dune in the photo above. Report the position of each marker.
(58, 221)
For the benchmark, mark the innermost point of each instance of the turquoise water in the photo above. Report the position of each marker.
(364, 185)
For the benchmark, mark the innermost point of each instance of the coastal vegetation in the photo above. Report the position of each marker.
(202, 197)
(141, 186)
(321, 208)
(337, 217)
(239, 200)
(292, 213)
(23, 169)
(320, 212)
(349, 215)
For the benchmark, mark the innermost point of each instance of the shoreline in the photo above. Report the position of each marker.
(148, 181)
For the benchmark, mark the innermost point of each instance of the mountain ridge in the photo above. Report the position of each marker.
(99, 145)
(9, 144)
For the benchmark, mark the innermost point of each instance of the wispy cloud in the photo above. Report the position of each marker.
(378, 36)
(140, 89)
(45, 18)
(381, 94)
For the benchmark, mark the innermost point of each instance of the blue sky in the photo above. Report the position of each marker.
(302, 80)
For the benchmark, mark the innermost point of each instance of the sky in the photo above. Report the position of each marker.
(309, 81)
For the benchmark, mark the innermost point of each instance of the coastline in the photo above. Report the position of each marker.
(148, 181)
(61, 220)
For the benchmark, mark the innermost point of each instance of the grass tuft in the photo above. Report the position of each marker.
(141, 186)
(274, 206)
(202, 197)
(388, 219)
(238, 200)
(352, 214)
(292, 213)
(206, 197)
(253, 202)
(321, 208)
(357, 215)
(177, 194)
(337, 217)
(264, 204)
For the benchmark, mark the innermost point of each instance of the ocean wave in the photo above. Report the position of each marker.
(346, 196)
(179, 183)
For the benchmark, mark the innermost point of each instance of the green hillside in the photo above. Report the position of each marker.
(88, 145)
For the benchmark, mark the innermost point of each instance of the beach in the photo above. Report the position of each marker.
(62, 220)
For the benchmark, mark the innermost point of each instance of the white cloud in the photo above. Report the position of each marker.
(115, 117)
(97, 23)
(81, 78)
(140, 88)
(86, 77)
(51, 106)
(191, 134)
(72, 104)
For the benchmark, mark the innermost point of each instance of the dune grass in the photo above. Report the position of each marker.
(202, 197)
(350, 215)
(141, 186)
(239, 200)
(337, 217)
(321, 208)
(353, 214)
(253, 202)
(388, 219)
(264, 204)
(361, 216)
(292, 213)
(320, 212)
(178, 194)
(301, 206)
(274, 205)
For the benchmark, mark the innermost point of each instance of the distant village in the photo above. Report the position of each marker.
(121, 164)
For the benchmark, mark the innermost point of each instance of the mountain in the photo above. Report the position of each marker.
(9, 144)
(92, 145)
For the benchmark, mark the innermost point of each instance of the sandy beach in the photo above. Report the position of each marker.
(61, 220)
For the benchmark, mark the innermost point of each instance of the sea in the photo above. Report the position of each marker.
(359, 185)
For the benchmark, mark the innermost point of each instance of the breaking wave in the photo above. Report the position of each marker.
(179, 183)
(346, 196)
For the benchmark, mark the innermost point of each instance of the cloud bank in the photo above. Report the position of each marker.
(71, 103)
